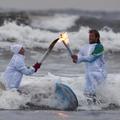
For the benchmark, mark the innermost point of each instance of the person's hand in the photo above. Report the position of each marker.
(74, 58)
(37, 66)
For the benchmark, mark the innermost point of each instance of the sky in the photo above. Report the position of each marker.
(93, 5)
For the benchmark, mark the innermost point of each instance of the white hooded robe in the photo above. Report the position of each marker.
(16, 69)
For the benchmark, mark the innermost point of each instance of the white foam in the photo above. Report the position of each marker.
(60, 22)
(25, 35)
(11, 33)
(11, 100)
(34, 85)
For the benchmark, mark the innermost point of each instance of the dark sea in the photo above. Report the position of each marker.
(36, 30)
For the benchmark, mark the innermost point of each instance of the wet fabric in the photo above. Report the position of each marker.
(93, 57)
(15, 71)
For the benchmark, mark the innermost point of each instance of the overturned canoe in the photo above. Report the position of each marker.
(62, 98)
(66, 98)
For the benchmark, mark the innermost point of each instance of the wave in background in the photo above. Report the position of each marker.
(39, 33)
(11, 33)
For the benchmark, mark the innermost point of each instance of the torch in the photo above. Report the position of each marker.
(64, 38)
(48, 50)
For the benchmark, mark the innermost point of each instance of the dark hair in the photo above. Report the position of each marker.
(96, 34)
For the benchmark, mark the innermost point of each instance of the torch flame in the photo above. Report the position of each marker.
(64, 37)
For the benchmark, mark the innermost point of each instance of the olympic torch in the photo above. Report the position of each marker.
(64, 38)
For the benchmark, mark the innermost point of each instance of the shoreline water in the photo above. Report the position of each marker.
(59, 115)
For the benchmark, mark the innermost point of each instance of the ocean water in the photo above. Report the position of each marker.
(58, 68)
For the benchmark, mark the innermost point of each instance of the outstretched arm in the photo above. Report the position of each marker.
(89, 58)
(20, 66)
(97, 52)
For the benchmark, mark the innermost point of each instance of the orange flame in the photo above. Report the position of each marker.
(64, 37)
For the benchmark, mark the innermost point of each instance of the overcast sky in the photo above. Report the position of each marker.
(108, 5)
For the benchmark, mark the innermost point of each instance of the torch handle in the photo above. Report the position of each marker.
(44, 56)
(68, 48)
(49, 50)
